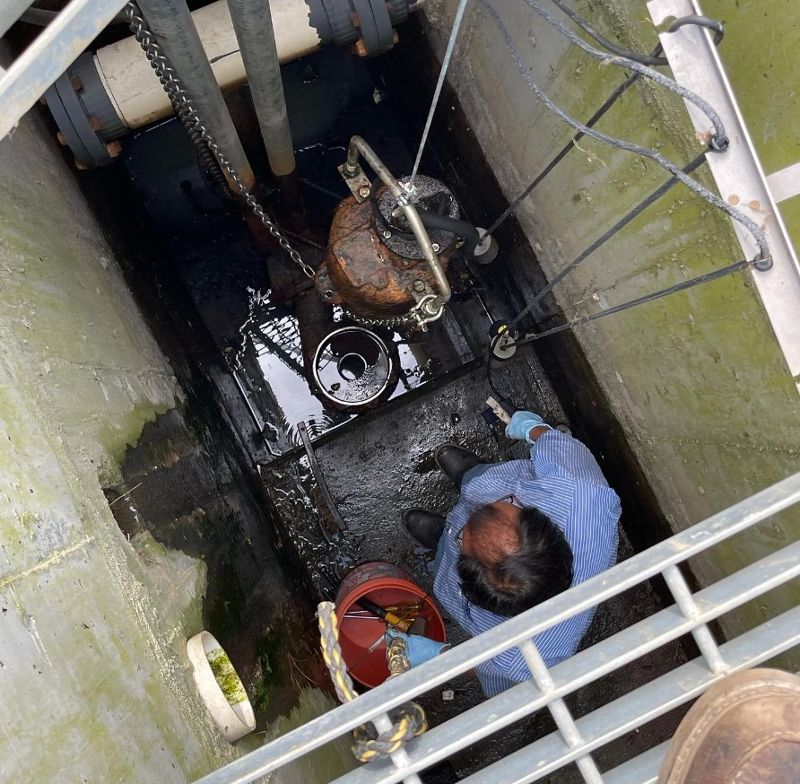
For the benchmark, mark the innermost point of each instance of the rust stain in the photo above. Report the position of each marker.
(366, 275)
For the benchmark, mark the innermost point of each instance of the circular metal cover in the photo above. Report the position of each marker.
(352, 366)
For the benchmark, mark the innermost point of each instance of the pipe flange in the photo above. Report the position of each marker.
(375, 25)
(85, 117)
(398, 11)
(367, 23)
(333, 21)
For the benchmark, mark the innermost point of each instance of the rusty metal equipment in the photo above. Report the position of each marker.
(373, 266)
(382, 266)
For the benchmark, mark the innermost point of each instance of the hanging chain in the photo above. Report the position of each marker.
(416, 318)
(198, 133)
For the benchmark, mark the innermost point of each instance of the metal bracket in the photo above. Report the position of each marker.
(737, 171)
(358, 182)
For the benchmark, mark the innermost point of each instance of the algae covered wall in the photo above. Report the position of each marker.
(696, 380)
(93, 686)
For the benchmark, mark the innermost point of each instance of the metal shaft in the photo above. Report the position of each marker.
(252, 22)
(174, 28)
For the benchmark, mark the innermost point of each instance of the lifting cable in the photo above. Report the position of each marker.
(720, 139)
(763, 260)
(451, 44)
(718, 143)
(600, 241)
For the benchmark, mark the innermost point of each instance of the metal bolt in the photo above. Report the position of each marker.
(114, 149)
(62, 140)
(328, 294)
(76, 83)
(419, 285)
(96, 123)
(364, 191)
(435, 246)
(387, 235)
(360, 48)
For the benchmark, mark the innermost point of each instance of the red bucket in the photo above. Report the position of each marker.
(386, 585)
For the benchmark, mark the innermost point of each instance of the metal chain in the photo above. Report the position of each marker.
(416, 317)
(198, 133)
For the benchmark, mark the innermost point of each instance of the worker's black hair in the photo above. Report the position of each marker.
(539, 568)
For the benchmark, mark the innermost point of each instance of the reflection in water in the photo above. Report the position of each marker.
(269, 366)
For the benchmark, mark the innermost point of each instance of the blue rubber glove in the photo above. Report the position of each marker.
(521, 425)
(418, 648)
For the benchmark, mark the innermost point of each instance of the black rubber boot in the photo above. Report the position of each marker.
(426, 527)
(454, 461)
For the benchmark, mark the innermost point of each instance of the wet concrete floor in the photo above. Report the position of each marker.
(383, 464)
(379, 463)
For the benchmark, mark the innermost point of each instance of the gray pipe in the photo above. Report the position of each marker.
(174, 28)
(252, 22)
(359, 147)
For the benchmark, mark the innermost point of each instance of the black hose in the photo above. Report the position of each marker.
(465, 230)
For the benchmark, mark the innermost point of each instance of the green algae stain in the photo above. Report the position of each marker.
(226, 677)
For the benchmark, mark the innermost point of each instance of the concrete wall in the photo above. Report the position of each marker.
(93, 687)
(696, 380)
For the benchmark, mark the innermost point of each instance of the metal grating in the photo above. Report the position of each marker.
(576, 739)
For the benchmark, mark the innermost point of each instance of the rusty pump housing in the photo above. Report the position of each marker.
(374, 267)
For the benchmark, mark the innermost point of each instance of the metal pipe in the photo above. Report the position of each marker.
(252, 22)
(172, 24)
(359, 147)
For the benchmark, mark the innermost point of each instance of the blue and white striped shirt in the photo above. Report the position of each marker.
(563, 481)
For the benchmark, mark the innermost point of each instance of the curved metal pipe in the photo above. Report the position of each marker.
(359, 147)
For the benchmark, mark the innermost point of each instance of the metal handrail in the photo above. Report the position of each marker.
(524, 698)
(53, 51)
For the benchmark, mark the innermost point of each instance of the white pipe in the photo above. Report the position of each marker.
(134, 89)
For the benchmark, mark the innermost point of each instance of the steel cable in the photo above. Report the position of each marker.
(451, 43)
(763, 261)
(720, 140)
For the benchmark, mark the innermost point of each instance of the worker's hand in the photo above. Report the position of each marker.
(521, 425)
(418, 648)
